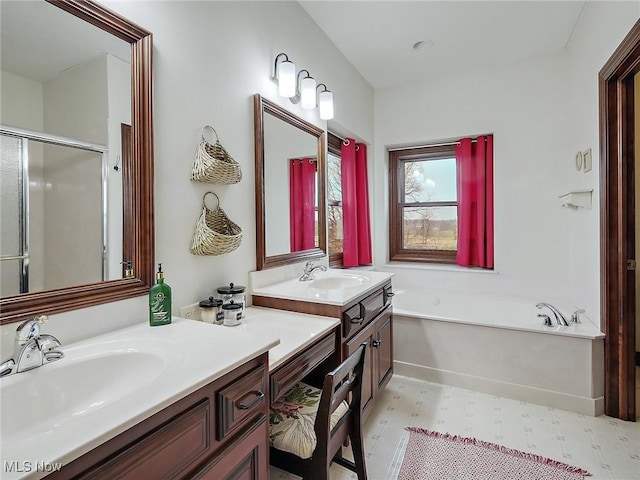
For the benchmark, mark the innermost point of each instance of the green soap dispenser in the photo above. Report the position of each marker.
(160, 301)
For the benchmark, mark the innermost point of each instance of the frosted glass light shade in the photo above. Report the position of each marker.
(286, 79)
(308, 93)
(325, 101)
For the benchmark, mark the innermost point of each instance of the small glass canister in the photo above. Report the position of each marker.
(232, 313)
(211, 311)
(233, 292)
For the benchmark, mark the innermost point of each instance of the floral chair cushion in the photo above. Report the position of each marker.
(293, 416)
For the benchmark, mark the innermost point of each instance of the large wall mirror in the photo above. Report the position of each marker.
(77, 142)
(290, 193)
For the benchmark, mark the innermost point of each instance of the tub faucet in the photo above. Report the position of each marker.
(30, 348)
(560, 318)
(309, 268)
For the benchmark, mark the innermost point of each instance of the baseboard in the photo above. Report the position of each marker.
(563, 401)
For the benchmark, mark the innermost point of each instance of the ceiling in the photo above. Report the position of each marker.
(40, 41)
(377, 36)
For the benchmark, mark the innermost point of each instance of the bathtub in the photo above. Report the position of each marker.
(497, 344)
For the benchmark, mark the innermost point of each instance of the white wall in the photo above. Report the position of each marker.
(209, 60)
(541, 111)
(524, 106)
(600, 30)
(119, 106)
(282, 143)
(75, 106)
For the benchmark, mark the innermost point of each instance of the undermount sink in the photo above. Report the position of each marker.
(338, 282)
(88, 378)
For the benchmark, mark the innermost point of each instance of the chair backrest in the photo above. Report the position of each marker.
(343, 383)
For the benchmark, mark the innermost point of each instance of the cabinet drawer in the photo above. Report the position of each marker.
(357, 316)
(292, 371)
(240, 400)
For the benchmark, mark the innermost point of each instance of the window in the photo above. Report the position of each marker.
(423, 212)
(334, 200)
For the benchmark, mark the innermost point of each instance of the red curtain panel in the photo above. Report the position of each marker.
(302, 203)
(355, 205)
(474, 163)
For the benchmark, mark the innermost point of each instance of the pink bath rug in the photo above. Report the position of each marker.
(440, 456)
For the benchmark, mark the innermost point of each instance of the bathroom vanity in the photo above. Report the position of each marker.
(185, 400)
(360, 301)
(216, 432)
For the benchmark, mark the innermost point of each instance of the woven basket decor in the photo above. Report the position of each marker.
(213, 164)
(214, 233)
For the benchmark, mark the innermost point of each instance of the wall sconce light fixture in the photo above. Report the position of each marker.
(307, 88)
(285, 74)
(305, 91)
(325, 102)
(299, 89)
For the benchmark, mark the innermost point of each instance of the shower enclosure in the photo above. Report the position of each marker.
(53, 212)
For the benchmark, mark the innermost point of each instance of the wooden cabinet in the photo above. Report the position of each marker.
(245, 458)
(379, 356)
(288, 374)
(367, 318)
(218, 431)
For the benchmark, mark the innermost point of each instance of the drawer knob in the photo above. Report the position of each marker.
(259, 396)
(376, 343)
(357, 321)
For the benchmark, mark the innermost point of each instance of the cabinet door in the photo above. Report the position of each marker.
(383, 346)
(369, 382)
(165, 453)
(244, 459)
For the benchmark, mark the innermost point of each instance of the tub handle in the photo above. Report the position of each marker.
(547, 320)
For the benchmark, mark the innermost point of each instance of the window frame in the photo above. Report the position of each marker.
(397, 160)
(334, 146)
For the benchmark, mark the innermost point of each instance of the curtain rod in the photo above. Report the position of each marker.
(446, 144)
(343, 140)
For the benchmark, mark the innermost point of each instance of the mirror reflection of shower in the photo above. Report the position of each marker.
(53, 212)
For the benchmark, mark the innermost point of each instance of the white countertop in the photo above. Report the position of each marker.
(295, 330)
(193, 355)
(304, 291)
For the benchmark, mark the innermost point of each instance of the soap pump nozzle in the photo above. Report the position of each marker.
(160, 273)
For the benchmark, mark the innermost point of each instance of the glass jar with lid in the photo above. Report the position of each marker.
(233, 292)
(232, 313)
(211, 311)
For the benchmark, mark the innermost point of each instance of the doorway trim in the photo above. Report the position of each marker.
(617, 222)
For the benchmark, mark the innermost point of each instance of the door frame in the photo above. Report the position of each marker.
(617, 224)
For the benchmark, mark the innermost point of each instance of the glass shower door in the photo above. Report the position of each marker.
(14, 252)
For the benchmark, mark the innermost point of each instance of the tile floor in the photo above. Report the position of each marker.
(608, 448)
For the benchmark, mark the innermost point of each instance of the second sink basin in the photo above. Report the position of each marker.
(338, 282)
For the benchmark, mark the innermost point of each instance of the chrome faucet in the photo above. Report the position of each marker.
(309, 268)
(560, 318)
(30, 348)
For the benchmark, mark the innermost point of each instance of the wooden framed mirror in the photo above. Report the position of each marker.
(290, 187)
(138, 222)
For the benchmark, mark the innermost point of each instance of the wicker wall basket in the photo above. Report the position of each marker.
(214, 233)
(213, 164)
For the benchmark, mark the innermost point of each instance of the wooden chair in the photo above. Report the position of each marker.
(340, 404)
